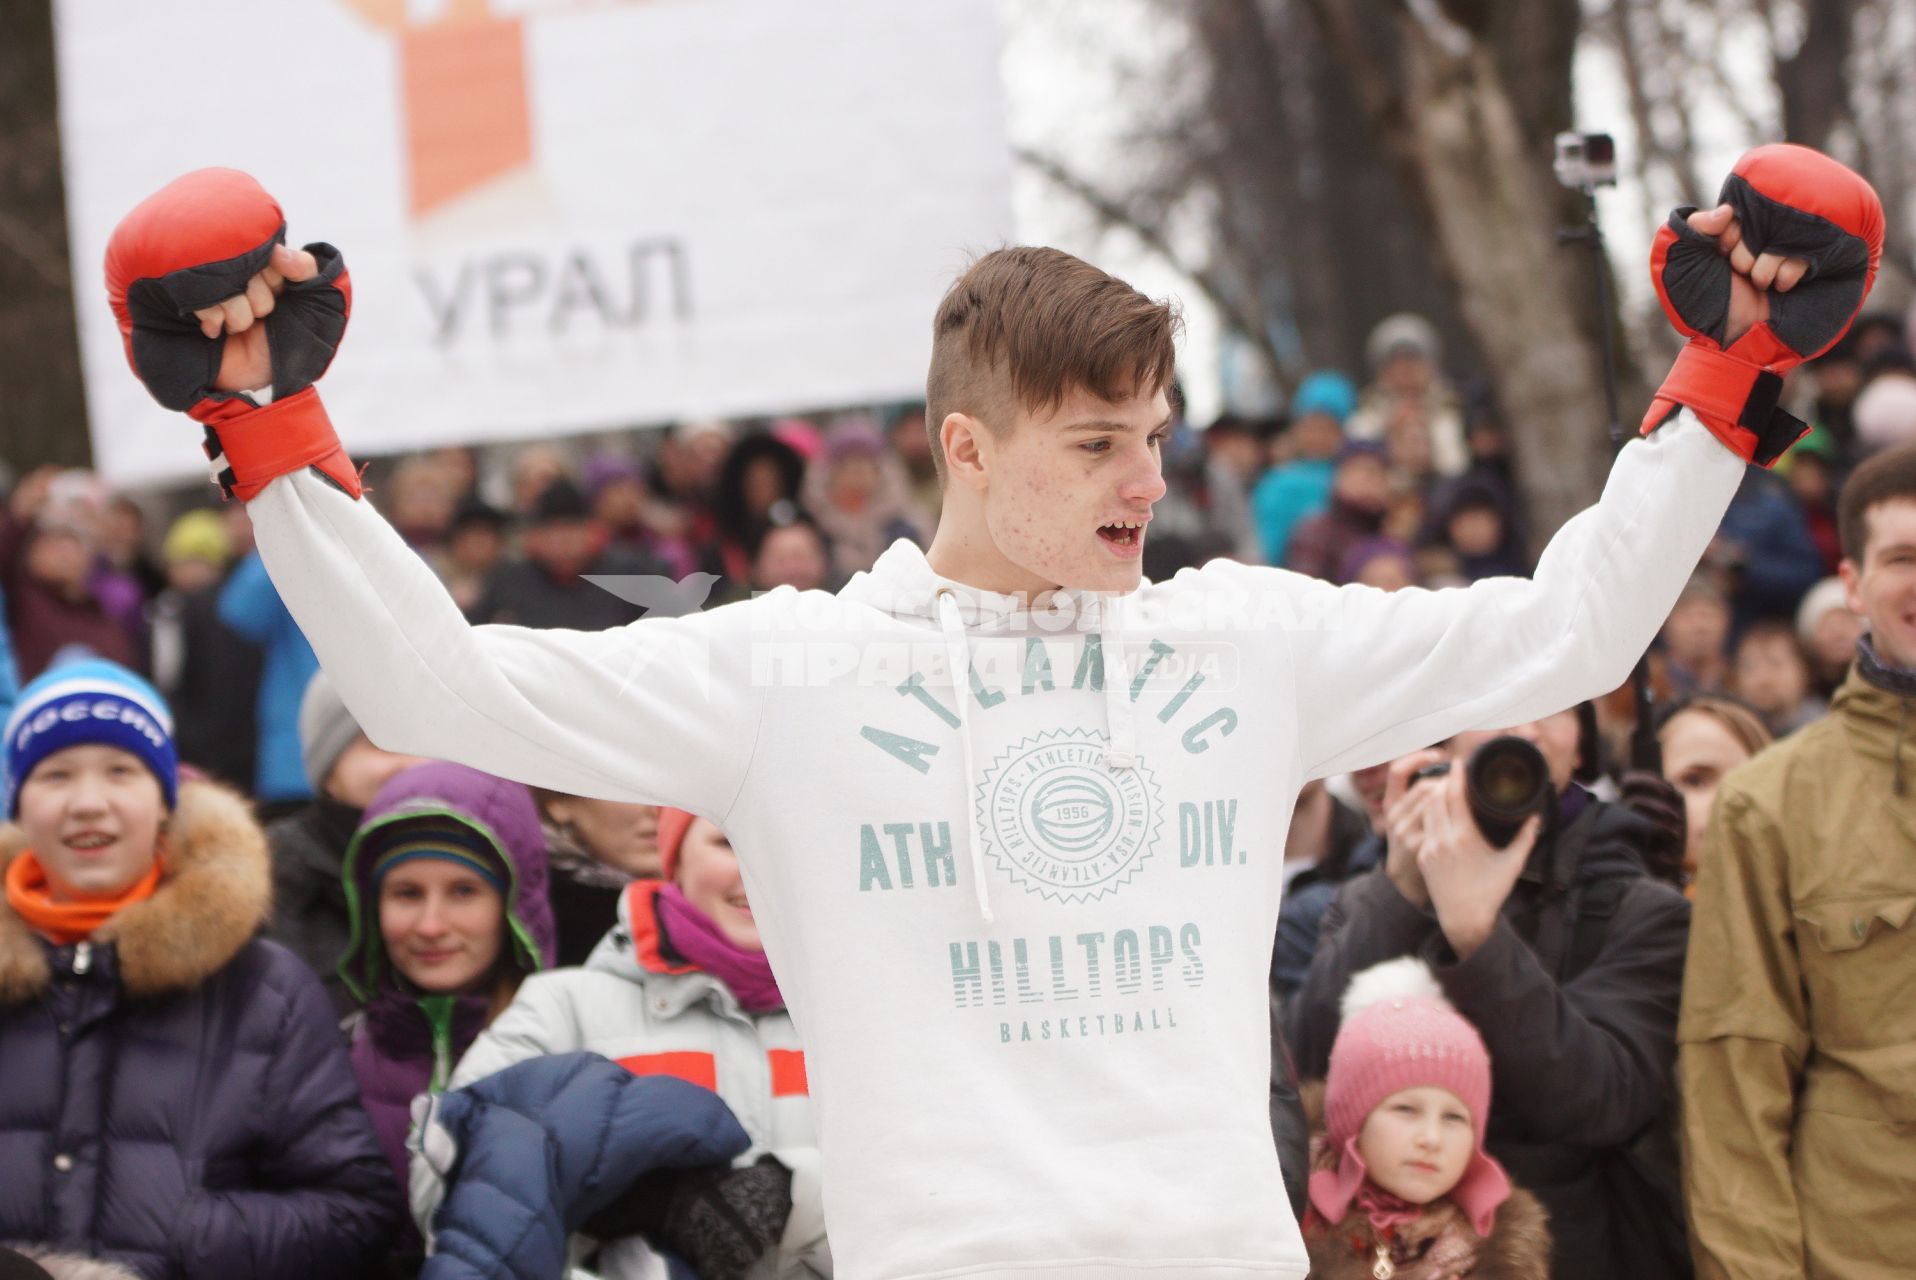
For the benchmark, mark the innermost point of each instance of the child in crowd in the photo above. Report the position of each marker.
(446, 896)
(1401, 1185)
(177, 1100)
(1696, 637)
(1772, 673)
(682, 987)
(1829, 632)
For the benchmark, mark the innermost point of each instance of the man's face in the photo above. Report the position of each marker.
(1406, 372)
(1317, 436)
(911, 443)
(1810, 481)
(1883, 588)
(1696, 629)
(563, 548)
(58, 558)
(1239, 450)
(191, 575)
(1476, 531)
(1062, 482)
(790, 557)
(1770, 674)
(477, 547)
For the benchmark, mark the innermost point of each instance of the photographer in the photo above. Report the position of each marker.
(1567, 957)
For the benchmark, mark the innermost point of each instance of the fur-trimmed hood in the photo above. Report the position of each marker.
(1517, 1248)
(214, 894)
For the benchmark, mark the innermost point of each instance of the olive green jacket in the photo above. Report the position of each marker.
(1797, 1041)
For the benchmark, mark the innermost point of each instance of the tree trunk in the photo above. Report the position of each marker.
(1813, 82)
(42, 401)
(1493, 206)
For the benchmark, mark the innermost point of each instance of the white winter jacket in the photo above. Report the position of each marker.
(631, 1004)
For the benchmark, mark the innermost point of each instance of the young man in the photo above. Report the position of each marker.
(1011, 821)
(1797, 1057)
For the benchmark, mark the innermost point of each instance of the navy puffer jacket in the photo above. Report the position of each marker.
(509, 1166)
(174, 1094)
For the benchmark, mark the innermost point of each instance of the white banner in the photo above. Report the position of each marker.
(559, 215)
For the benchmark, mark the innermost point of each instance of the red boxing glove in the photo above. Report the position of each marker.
(199, 240)
(1796, 203)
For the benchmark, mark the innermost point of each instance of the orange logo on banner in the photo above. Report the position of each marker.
(463, 76)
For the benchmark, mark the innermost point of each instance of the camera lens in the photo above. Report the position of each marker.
(1507, 781)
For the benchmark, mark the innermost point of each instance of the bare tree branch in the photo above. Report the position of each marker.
(1114, 212)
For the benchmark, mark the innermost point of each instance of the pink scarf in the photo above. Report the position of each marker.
(691, 933)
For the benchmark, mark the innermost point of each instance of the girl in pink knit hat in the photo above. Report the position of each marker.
(1401, 1186)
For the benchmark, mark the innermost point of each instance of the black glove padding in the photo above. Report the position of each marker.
(720, 1220)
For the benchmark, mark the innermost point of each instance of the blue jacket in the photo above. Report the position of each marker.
(1287, 496)
(525, 1155)
(176, 1097)
(250, 605)
(1780, 559)
(9, 669)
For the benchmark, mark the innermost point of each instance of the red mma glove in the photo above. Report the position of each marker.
(1795, 203)
(197, 241)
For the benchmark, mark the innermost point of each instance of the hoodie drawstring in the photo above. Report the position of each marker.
(951, 620)
(1118, 721)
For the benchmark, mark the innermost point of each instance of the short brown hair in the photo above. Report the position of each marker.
(1889, 474)
(1738, 719)
(1024, 327)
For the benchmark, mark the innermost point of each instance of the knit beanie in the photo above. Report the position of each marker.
(90, 702)
(1400, 1033)
(673, 824)
(198, 535)
(1817, 601)
(439, 838)
(1885, 412)
(1325, 391)
(1405, 331)
(326, 729)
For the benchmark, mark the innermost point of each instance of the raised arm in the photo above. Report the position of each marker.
(658, 712)
(214, 306)
(1770, 277)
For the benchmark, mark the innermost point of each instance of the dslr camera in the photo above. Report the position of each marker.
(1506, 781)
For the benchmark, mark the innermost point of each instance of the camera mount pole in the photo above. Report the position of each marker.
(1591, 233)
(1645, 751)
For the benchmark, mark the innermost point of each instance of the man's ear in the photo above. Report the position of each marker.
(1852, 575)
(967, 444)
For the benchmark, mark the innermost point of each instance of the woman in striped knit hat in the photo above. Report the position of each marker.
(447, 907)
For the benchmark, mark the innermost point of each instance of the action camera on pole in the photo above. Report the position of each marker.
(1586, 161)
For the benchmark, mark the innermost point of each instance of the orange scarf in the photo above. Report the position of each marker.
(31, 898)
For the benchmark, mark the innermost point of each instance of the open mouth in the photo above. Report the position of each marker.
(1125, 535)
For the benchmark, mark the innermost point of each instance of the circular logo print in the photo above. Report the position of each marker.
(1063, 824)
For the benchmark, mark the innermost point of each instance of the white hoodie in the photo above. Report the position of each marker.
(1025, 932)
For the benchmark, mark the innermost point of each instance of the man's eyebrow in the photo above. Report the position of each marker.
(1111, 424)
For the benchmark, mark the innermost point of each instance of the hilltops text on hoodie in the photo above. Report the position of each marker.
(1017, 869)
